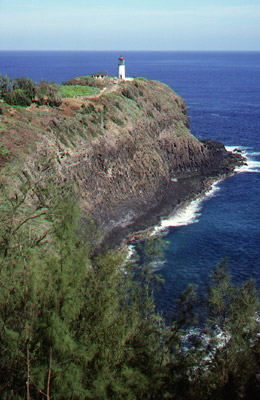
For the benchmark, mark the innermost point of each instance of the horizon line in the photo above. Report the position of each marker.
(183, 51)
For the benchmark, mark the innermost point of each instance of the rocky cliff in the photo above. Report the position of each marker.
(128, 149)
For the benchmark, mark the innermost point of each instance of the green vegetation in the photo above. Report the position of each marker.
(3, 150)
(48, 94)
(88, 81)
(78, 91)
(130, 91)
(17, 97)
(23, 91)
(69, 322)
(141, 79)
(18, 91)
(2, 127)
(2, 109)
(74, 325)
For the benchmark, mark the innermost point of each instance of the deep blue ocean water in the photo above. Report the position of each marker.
(222, 93)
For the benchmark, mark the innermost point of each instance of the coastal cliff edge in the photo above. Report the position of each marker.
(128, 151)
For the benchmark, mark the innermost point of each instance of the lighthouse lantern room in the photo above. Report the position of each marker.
(121, 68)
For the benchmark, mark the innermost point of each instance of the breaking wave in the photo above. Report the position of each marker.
(253, 165)
(190, 212)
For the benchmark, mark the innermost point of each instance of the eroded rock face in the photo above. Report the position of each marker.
(129, 151)
(147, 166)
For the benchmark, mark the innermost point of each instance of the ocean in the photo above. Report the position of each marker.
(222, 93)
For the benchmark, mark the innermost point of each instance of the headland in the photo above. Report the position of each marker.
(126, 147)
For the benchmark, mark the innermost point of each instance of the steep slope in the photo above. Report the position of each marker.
(128, 149)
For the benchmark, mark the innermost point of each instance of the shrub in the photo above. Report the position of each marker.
(129, 93)
(4, 151)
(48, 94)
(158, 106)
(6, 85)
(117, 120)
(88, 110)
(118, 105)
(27, 86)
(86, 81)
(17, 98)
(150, 114)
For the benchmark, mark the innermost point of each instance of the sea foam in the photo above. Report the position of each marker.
(252, 165)
(188, 213)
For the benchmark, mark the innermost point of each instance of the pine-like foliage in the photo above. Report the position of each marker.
(71, 326)
(75, 326)
(219, 359)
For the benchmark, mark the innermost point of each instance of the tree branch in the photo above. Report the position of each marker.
(26, 220)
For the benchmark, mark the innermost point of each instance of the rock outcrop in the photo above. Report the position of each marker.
(129, 150)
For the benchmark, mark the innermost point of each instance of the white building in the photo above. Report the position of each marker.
(99, 75)
(121, 68)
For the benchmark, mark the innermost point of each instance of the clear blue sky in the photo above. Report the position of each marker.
(130, 25)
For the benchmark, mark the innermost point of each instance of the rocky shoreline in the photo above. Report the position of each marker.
(128, 153)
(175, 195)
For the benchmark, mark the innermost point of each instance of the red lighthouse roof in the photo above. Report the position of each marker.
(121, 58)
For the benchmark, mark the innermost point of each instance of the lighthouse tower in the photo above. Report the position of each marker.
(121, 68)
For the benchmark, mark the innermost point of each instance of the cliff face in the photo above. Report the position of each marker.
(129, 150)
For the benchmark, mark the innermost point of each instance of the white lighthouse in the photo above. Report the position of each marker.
(121, 68)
